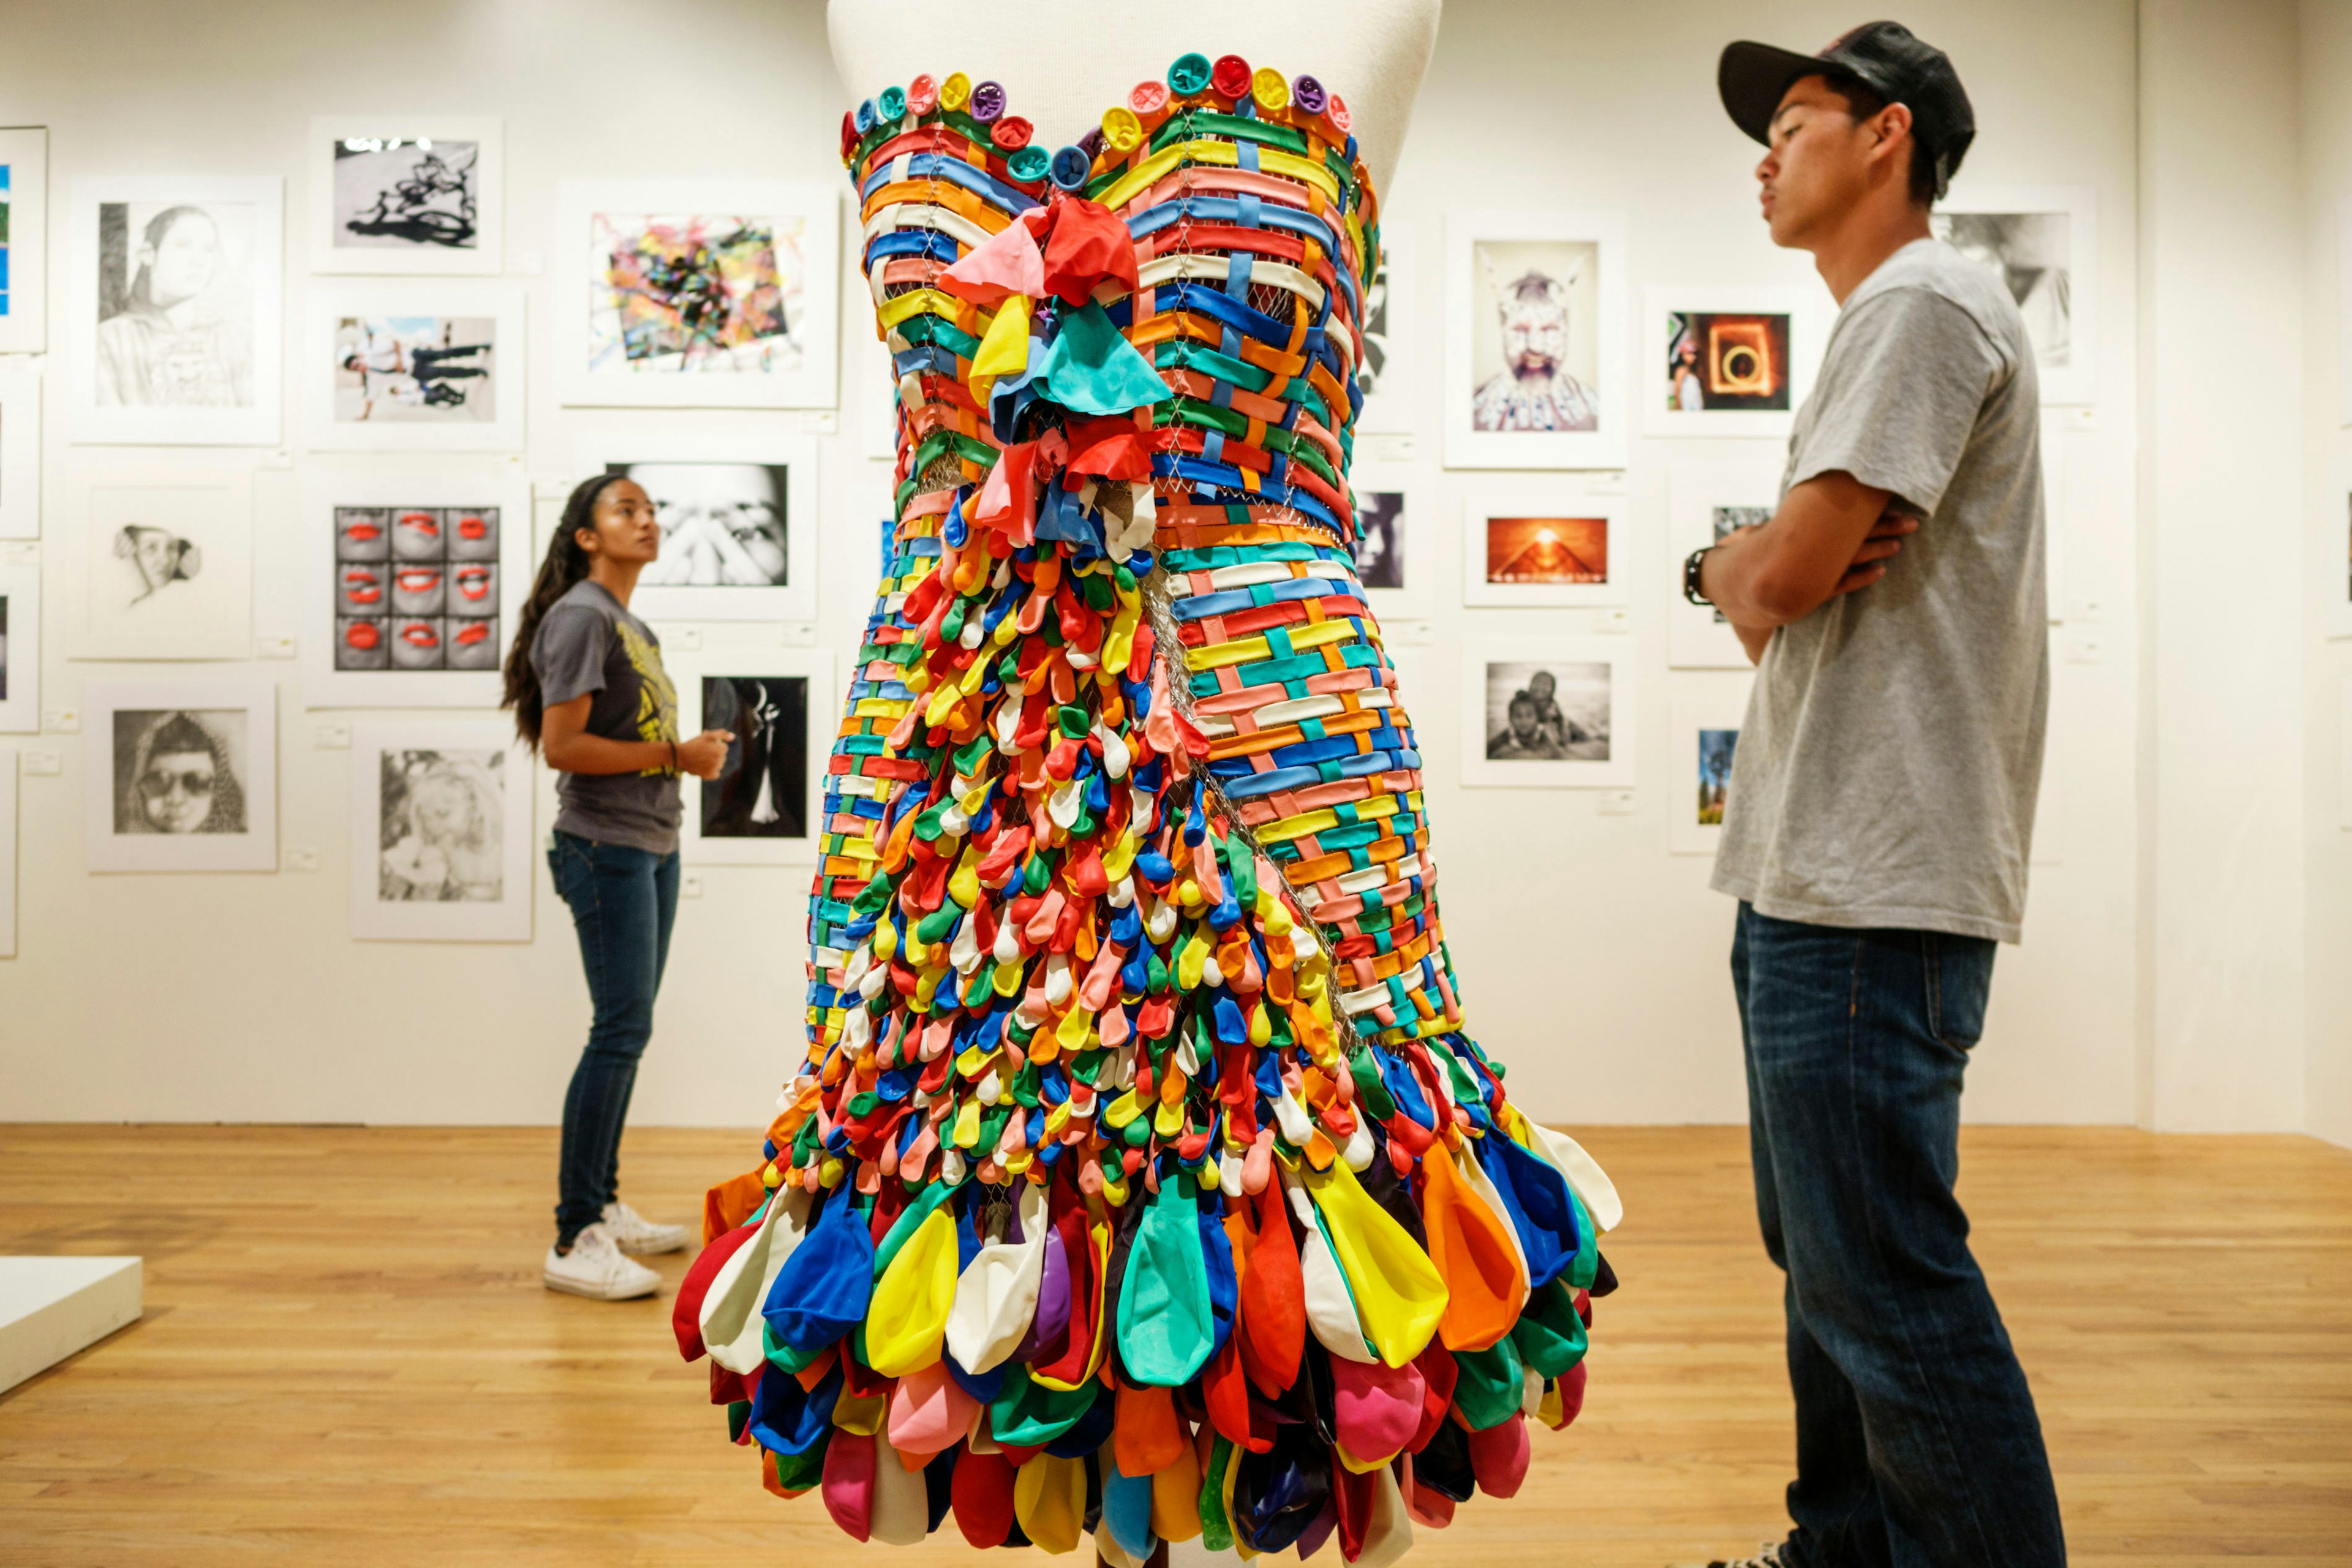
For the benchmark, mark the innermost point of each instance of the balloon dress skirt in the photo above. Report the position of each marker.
(1142, 1176)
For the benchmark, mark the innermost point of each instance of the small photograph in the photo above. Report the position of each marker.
(1536, 328)
(1707, 500)
(24, 240)
(416, 588)
(1556, 712)
(2040, 242)
(422, 366)
(170, 573)
(1727, 361)
(1555, 552)
(723, 524)
(431, 370)
(441, 828)
(1714, 749)
(401, 193)
(1380, 538)
(1708, 711)
(762, 791)
(1549, 713)
(180, 774)
(179, 771)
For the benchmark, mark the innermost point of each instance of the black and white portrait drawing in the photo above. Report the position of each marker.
(2041, 243)
(724, 525)
(1380, 538)
(396, 192)
(169, 570)
(762, 791)
(1547, 713)
(178, 771)
(1534, 342)
(153, 559)
(440, 826)
(181, 775)
(1552, 711)
(431, 370)
(416, 588)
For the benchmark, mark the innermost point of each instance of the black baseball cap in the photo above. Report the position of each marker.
(1885, 56)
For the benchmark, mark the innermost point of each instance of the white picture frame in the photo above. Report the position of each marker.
(820, 718)
(424, 796)
(365, 390)
(20, 648)
(152, 386)
(1391, 321)
(20, 451)
(1494, 669)
(1488, 252)
(1561, 548)
(728, 480)
(418, 223)
(1396, 544)
(7, 854)
(1704, 497)
(119, 716)
(596, 364)
(25, 187)
(1741, 351)
(1698, 769)
(2068, 372)
(410, 516)
(166, 565)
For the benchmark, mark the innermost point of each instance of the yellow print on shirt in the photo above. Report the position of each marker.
(656, 697)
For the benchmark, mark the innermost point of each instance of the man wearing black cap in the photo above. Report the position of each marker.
(1880, 812)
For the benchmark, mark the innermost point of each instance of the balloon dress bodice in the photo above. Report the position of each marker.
(1141, 1177)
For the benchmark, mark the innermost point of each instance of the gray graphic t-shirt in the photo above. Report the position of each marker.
(1889, 768)
(589, 642)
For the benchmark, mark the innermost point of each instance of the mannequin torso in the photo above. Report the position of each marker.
(1062, 65)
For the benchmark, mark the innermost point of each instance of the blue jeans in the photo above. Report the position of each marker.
(1916, 1438)
(624, 902)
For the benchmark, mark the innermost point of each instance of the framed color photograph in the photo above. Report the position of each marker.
(1556, 712)
(441, 833)
(405, 194)
(167, 567)
(174, 305)
(410, 586)
(181, 776)
(1727, 362)
(415, 367)
(24, 240)
(738, 518)
(20, 649)
(1706, 501)
(1395, 537)
(767, 805)
(1535, 363)
(698, 294)
(1389, 373)
(1543, 550)
(2041, 241)
(20, 451)
(1708, 711)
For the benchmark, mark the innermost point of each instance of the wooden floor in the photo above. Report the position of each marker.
(348, 1357)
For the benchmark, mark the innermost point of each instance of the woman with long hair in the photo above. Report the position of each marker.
(585, 680)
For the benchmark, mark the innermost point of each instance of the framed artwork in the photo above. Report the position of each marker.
(405, 194)
(1708, 711)
(7, 854)
(1727, 362)
(441, 833)
(767, 805)
(20, 649)
(2041, 241)
(181, 776)
(168, 567)
(1549, 712)
(174, 305)
(737, 517)
(411, 587)
(1395, 537)
(20, 449)
(1535, 367)
(416, 367)
(1706, 501)
(698, 294)
(24, 240)
(1388, 373)
(1543, 551)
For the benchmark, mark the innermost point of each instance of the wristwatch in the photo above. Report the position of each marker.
(1691, 567)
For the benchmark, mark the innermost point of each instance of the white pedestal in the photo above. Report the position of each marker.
(52, 1306)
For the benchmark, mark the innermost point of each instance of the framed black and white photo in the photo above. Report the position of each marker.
(1389, 372)
(415, 367)
(411, 585)
(1396, 531)
(441, 833)
(167, 564)
(698, 294)
(1549, 713)
(1556, 549)
(1727, 362)
(1708, 712)
(20, 648)
(181, 776)
(767, 805)
(174, 309)
(737, 517)
(24, 240)
(20, 451)
(1535, 363)
(405, 194)
(2041, 241)
(1704, 502)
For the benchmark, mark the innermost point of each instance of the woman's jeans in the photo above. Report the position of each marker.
(1916, 1438)
(624, 902)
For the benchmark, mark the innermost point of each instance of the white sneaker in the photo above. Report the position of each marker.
(633, 1232)
(595, 1268)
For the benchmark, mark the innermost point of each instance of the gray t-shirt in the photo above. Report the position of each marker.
(1888, 767)
(589, 642)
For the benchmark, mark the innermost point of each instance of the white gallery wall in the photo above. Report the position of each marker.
(2186, 836)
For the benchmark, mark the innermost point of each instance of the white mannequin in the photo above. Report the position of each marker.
(1063, 62)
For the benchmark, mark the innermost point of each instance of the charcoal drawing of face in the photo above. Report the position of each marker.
(154, 559)
(441, 826)
(176, 772)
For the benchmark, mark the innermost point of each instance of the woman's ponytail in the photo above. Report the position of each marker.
(566, 564)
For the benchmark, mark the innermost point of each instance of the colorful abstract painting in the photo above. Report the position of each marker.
(696, 294)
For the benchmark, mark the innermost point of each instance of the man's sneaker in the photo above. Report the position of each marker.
(1768, 1555)
(595, 1268)
(633, 1232)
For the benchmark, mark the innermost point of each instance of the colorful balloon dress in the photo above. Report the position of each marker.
(1142, 1176)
